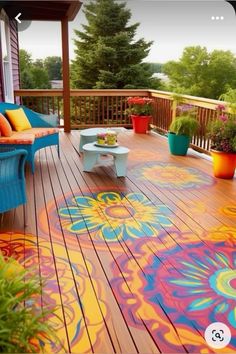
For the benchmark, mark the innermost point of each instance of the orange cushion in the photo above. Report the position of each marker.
(5, 128)
(18, 138)
(39, 132)
(18, 119)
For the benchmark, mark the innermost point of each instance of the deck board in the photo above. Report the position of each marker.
(126, 286)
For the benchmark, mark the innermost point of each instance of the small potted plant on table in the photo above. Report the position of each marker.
(222, 133)
(140, 110)
(182, 129)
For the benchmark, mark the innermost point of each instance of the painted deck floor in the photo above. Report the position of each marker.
(141, 264)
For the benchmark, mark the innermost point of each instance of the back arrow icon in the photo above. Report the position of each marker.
(17, 17)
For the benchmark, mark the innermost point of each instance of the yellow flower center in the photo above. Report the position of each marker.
(119, 211)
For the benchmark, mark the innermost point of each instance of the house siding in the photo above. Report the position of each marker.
(1, 75)
(14, 54)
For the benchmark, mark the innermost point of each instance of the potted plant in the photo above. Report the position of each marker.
(140, 110)
(182, 129)
(222, 133)
(24, 326)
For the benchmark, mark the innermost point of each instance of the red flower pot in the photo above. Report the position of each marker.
(140, 123)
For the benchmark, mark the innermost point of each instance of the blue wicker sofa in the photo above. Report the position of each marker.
(44, 132)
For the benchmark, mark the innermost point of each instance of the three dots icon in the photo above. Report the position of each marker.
(217, 18)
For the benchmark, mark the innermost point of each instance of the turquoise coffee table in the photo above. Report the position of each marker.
(92, 153)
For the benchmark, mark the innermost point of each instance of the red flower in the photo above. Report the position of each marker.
(141, 106)
(139, 101)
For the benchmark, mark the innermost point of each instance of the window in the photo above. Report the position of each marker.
(6, 58)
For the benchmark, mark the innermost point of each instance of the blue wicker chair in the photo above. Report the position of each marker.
(12, 179)
(37, 120)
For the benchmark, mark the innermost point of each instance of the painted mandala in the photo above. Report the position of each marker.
(222, 236)
(172, 176)
(25, 250)
(107, 218)
(229, 210)
(178, 292)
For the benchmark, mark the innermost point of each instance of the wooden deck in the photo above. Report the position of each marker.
(141, 264)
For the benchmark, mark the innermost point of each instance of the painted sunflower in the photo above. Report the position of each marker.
(113, 216)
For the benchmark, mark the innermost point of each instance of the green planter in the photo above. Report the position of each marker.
(178, 144)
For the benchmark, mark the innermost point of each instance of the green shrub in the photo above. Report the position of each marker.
(23, 324)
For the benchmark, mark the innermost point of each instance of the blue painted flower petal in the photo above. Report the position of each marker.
(137, 197)
(162, 209)
(70, 212)
(83, 226)
(84, 201)
(201, 304)
(221, 308)
(139, 230)
(164, 221)
(110, 233)
(232, 318)
(189, 283)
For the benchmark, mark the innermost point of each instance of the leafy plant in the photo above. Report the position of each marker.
(24, 326)
(222, 131)
(140, 106)
(184, 125)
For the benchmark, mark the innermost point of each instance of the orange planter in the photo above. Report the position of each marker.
(224, 164)
(140, 123)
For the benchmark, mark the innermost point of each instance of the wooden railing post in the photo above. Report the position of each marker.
(65, 74)
(174, 107)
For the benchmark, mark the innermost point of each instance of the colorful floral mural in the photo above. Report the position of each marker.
(229, 210)
(113, 216)
(178, 291)
(74, 302)
(107, 218)
(222, 235)
(172, 176)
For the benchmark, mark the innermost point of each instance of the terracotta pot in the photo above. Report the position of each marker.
(140, 123)
(224, 164)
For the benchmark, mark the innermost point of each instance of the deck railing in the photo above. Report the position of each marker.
(90, 108)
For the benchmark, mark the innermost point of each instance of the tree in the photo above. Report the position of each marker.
(107, 56)
(25, 63)
(222, 72)
(156, 67)
(40, 78)
(25, 60)
(200, 73)
(53, 66)
(38, 63)
(33, 74)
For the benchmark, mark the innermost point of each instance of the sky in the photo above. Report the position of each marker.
(171, 25)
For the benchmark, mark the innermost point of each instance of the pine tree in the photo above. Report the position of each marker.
(107, 56)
